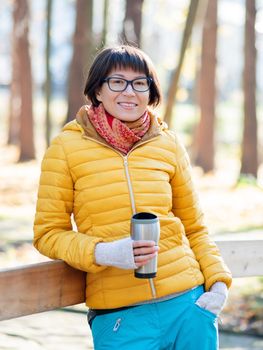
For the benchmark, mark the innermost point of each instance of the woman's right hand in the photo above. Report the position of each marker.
(125, 253)
(144, 251)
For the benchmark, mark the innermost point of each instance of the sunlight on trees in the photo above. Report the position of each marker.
(171, 33)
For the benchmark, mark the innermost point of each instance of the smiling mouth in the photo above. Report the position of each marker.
(127, 104)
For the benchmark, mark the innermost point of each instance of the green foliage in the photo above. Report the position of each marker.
(247, 180)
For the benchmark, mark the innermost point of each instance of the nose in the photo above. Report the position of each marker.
(129, 90)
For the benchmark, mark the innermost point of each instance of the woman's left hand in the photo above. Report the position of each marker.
(215, 299)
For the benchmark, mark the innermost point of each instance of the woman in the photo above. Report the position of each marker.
(114, 160)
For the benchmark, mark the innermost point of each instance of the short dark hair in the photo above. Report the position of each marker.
(123, 56)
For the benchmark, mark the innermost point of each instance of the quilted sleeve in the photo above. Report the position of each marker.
(186, 206)
(53, 234)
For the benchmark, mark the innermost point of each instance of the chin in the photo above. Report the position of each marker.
(128, 118)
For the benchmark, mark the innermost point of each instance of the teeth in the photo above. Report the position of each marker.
(125, 104)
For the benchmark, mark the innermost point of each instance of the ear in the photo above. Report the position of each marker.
(98, 96)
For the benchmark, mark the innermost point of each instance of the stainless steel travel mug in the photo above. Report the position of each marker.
(146, 226)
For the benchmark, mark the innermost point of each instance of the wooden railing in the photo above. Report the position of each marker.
(46, 286)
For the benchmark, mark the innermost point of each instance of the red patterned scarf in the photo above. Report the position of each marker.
(120, 135)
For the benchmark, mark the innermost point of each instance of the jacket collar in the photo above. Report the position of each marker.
(88, 130)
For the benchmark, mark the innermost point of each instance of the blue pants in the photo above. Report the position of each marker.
(177, 324)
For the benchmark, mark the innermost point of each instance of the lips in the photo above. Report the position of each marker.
(127, 104)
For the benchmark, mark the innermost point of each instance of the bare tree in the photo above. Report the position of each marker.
(48, 73)
(204, 142)
(132, 24)
(82, 46)
(249, 159)
(14, 101)
(192, 12)
(105, 23)
(26, 139)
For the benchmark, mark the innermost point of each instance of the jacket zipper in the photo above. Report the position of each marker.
(125, 161)
(128, 178)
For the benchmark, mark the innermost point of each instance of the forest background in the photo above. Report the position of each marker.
(209, 57)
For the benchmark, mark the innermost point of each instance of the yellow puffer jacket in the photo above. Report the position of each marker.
(83, 175)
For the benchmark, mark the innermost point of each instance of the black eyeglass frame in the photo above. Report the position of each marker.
(128, 82)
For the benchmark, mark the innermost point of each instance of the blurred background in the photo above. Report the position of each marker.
(209, 58)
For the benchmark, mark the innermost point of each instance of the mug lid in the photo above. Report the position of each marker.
(145, 217)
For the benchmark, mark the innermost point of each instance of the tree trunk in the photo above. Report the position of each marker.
(48, 73)
(82, 45)
(27, 150)
(105, 23)
(15, 100)
(249, 160)
(204, 153)
(131, 32)
(176, 74)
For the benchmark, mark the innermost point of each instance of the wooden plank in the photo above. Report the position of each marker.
(244, 257)
(54, 284)
(40, 287)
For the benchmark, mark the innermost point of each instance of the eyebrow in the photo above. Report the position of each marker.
(123, 76)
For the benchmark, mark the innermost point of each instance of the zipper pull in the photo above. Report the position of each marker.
(117, 325)
(125, 160)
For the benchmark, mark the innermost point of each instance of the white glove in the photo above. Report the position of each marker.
(117, 253)
(215, 299)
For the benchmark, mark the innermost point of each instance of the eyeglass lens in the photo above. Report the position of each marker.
(118, 84)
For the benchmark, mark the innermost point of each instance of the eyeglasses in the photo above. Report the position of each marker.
(119, 84)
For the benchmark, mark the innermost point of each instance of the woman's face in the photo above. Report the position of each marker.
(127, 105)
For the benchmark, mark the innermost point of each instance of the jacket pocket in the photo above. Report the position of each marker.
(205, 312)
(104, 327)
